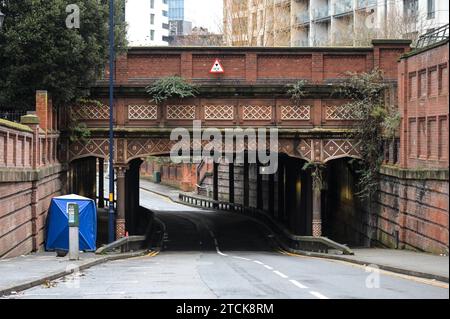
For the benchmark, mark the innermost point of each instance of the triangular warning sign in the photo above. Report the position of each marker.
(217, 67)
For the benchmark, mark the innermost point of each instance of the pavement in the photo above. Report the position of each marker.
(23, 272)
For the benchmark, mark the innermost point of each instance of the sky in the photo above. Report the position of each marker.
(205, 13)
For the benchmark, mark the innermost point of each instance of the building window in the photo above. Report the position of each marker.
(431, 7)
(152, 35)
(152, 18)
(165, 14)
(152, 4)
(443, 79)
(422, 84)
(411, 10)
(165, 26)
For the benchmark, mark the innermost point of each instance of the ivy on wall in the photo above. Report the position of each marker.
(379, 120)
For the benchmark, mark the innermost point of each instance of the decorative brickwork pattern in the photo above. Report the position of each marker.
(341, 112)
(317, 228)
(181, 112)
(295, 112)
(88, 112)
(257, 112)
(219, 112)
(142, 112)
(120, 228)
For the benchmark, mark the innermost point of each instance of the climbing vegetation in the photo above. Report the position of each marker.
(378, 120)
(171, 87)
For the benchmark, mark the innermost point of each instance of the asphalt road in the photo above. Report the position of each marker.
(223, 255)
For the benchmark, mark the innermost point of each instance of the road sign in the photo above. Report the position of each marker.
(217, 67)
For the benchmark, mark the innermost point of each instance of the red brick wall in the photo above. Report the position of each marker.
(284, 66)
(182, 176)
(233, 64)
(254, 64)
(152, 66)
(414, 211)
(424, 107)
(30, 175)
(413, 200)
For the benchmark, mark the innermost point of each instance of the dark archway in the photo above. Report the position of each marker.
(346, 217)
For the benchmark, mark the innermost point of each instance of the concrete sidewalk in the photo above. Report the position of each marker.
(24, 272)
(400, 261)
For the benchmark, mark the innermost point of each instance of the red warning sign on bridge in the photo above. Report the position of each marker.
(217, 67)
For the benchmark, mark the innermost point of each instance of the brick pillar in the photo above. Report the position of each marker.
(101, 183)
(317, 67)
(120, 220)
(121, 69)
(251, 67)
(186, 66)
(33, 122)
(42, 109)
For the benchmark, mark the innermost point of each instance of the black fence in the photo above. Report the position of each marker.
(434, 36)
(13, 116)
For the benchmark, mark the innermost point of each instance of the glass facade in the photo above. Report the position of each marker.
(176, 9)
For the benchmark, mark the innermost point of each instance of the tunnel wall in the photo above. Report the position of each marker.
(412, 210)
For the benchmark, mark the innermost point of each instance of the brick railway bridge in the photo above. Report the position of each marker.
(251, 93)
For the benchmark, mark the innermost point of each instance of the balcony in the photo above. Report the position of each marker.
(343, 8)
(282, 3)
(301, 43)
(302, 18)
(365, 4)
(322, 14)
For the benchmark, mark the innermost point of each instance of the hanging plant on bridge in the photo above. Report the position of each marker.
(297, 91)
(366, 92)
(171, 87)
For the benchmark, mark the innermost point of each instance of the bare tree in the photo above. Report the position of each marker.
(256, 23)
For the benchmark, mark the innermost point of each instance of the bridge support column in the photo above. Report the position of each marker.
(101, 183)
(281, 189)
(246, 182)
(317, 202)
(231, 182)
(120, 219)
(259, 189)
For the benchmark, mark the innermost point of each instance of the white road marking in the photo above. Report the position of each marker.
(280, 274)
(318, 295)
(258, 262)
(237, 257)
(268, 267)
(221, 253)
(299, 285)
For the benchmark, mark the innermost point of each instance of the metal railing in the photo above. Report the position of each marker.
(432, 37)
(13, 116)
(362, 4)
(288, 241)
(343, 7)
(302, 18)
(322, 13)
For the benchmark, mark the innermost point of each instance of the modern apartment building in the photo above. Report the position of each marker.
(328, 22)
(148, 22)
(178, 25)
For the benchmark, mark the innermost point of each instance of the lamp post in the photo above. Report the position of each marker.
(2, 18)
(111, 213)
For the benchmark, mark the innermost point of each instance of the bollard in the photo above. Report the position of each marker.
(74, 246)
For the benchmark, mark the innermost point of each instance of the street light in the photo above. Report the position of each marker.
(111, 217)
(2, 18)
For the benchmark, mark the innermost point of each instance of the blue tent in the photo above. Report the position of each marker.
(58, 223)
